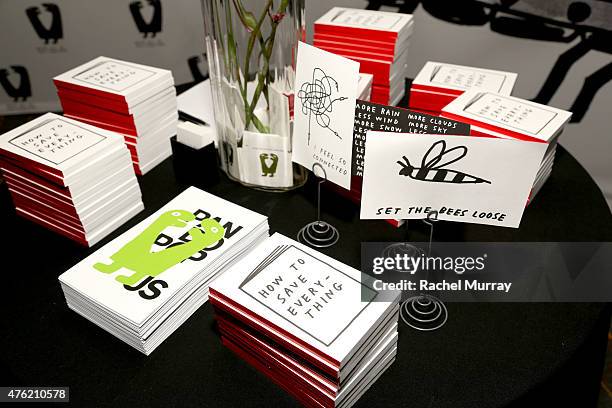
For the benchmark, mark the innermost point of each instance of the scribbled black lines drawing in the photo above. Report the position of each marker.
(316, 99)
(434, 160)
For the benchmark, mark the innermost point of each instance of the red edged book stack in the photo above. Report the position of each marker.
(136, 101)
(307, 322)
(437, 84)
(74, 179)
(494, 115)
(378, 40)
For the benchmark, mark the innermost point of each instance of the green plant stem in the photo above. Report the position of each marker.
(262, 77)
(256, 32)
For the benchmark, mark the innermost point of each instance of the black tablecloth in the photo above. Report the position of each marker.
(487, 355)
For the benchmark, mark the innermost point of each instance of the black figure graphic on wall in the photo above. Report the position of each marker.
(316, 99)
(152, 27)
(194, 68)
(24, 90)
(434, 160)
(561, 22)
(55, 31)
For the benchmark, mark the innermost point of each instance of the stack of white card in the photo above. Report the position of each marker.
(69, 177)
(306, 321)
(438, 84)
(143, 285)
(378, 40)
(495, 115)
(134, 100)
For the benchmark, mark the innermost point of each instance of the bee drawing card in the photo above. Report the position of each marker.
(464, 178)
(325, 93)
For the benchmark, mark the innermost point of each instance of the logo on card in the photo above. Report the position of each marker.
(269, 163)
(137, 258)
(16, 82)
(433, 163)
(317, 100)
(54, 31)
(154, 25)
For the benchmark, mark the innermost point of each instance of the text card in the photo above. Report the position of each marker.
(373, 116)
(325, 95)
(467, 179)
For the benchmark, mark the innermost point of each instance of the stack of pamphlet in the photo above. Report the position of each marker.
(307, 322)
(69, 177)
(137, 101)
(143, 285)
(378, 40)
(438, 84)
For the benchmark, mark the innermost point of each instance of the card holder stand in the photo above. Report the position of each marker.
(194, 167)
(318, 234)
(422, 312)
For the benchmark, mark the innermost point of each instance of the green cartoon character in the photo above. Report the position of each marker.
(269, 163)
(136, 255)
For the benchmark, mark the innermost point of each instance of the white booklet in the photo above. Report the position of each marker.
(163, 252)
(59, 143)
(126, 80)
(368, 19)
(462, 78)
(508, 114)
(315, 299)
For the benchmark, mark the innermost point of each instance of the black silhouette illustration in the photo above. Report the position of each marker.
(541, 21)
(24, 90)
(152, 27)
(194, 68)
(434, 160)
(55, 31)
(269, 163)
(316, 98)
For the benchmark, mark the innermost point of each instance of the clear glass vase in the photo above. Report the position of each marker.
(251, 48)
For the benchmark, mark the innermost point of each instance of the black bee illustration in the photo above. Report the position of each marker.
(431, 166)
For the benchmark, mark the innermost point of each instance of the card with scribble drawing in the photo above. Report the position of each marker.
(325, 94)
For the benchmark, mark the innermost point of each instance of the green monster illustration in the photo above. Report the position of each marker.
(268, 169)
(136, 255)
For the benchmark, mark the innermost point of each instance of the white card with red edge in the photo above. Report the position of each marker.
(112, 77)
(463, 78)
(58, 143)
(508, 114)
(308, 295)
(384, 21)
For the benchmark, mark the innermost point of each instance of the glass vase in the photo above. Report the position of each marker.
(251, 48)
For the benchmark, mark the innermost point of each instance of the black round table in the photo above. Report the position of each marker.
(487, 355)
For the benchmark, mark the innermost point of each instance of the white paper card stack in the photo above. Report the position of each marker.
(437, 84)
(508, 117)
(143, 285)
(306, 321)
(69, 177)
(137, 101)
(378, 40)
